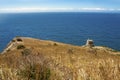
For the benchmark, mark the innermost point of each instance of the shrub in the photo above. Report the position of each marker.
(20, 47)
(55, 44)
(35, 72)
(26, 52)
(18, 39)
(70, 51)
(8, 50)
(13, 40)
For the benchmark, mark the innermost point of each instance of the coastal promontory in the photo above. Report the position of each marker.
(27, 58)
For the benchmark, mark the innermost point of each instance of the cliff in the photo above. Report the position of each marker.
(33, 59)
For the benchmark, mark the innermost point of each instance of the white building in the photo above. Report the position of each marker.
(90, 43)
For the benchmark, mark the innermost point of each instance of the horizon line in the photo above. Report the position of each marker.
(42, 9)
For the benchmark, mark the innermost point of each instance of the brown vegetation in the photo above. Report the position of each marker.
(47, 60)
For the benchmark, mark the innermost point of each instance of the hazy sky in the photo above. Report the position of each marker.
(59, 5)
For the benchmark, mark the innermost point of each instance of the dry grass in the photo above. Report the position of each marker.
(48, 60)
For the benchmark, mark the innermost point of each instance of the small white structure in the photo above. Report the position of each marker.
(90, 43)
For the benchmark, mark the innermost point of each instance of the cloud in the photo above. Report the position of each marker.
(93, 9)
(45, 9)
(34, 9)
(99, 9)
(112, 9)
(118, 9)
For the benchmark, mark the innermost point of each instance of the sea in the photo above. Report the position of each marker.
(66, 27)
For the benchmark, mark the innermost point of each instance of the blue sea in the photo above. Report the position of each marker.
(70, 27)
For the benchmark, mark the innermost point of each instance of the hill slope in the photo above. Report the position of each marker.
(32, 59)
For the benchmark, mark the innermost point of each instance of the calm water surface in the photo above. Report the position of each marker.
(72, 28)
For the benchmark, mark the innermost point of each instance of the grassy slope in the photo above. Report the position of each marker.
(58, 61)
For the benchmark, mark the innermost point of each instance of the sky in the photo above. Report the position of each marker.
(58, 5)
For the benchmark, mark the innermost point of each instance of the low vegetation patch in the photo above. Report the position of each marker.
(35, 72)
(21, 47)
(70, 51)
(19, 40)
(26, 52)
(13, 40)
(55, 44)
